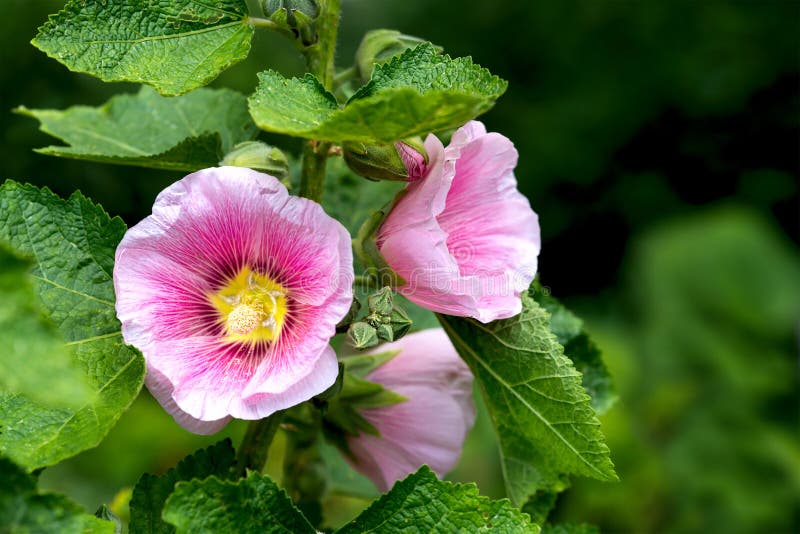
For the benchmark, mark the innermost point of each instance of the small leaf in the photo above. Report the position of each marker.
(186, 133)
(151, 492)
(415, 93)
(175, 46)
(34, 360)
(540, 411)
(252, 504)
(23, 509)
(580, 348)
(423, 503)
(72, 244)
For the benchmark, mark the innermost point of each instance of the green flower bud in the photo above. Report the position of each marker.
(402, 161)
(385, 332)
(362, 335)
(295, 15)
(260, 157)
(381, 302)
(293, 12)
(400, 322)
(378, 46)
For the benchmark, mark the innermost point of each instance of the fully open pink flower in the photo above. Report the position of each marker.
(462, 236)
(430, 427)
(232, 289)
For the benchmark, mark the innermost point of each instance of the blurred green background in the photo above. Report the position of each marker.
(659, 145)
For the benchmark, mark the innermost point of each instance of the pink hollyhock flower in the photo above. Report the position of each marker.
(428, 428)
(463, 237)
(232, 289)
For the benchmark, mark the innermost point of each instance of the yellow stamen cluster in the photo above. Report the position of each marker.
(251, 306)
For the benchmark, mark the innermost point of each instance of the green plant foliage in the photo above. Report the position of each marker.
(580, 348)
(544, 422)
(72, 244)
(252, 504)
(34, 360)
(186, 133)
(175, 46)
(415, 93)
(151, 492)
(423, 503)
(23, 509)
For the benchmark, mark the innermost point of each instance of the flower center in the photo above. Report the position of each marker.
(251, 307)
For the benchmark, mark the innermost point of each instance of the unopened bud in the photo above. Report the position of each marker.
(400, 322)
(402, 161)
(362, 336)
(385, 332)
(260, 157)
(378, 46)
(295, 15)
(381, 302)
(293, 12)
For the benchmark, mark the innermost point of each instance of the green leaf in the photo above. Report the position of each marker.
(186, 133)
(416, 93)
(580, 348)
(23, 509)
(72, 244)
(540, 505)
(423, 503)
(252, 504)
(34, 360)
(541, 413)
(151, 492)
(173, 46)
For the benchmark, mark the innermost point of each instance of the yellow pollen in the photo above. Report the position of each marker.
(243, 320)
(251, 307)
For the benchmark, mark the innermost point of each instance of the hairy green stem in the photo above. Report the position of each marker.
(254, 449)
(319, 58)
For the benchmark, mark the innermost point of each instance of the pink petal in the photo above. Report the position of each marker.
(475, 253)
(431, 426)
(204, 229)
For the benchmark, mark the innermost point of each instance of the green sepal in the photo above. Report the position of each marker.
(260, 157)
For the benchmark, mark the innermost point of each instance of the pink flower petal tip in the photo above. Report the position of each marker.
(431, 426)
(232, 289)
(462, 236)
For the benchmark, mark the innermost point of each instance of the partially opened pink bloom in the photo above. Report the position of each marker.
(462, 236)
(430, 427)
(232, 289)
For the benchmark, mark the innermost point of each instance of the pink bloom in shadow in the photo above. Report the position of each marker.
(232, 289)
(462, 236)
(430, 427)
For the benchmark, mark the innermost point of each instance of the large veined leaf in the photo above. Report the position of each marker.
(545, 425)
(173, 45)
(415, 93)
(34, 360)
(24, 509)
(72, 244)
(580, 348)
(252, 504)
(420, 503)
(423, 503)
(186, 133)
(151, 492)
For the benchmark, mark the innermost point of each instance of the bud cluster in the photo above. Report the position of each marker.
(384, 322)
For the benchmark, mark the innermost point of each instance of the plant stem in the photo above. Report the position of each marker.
(255, 446)
(319, 58)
